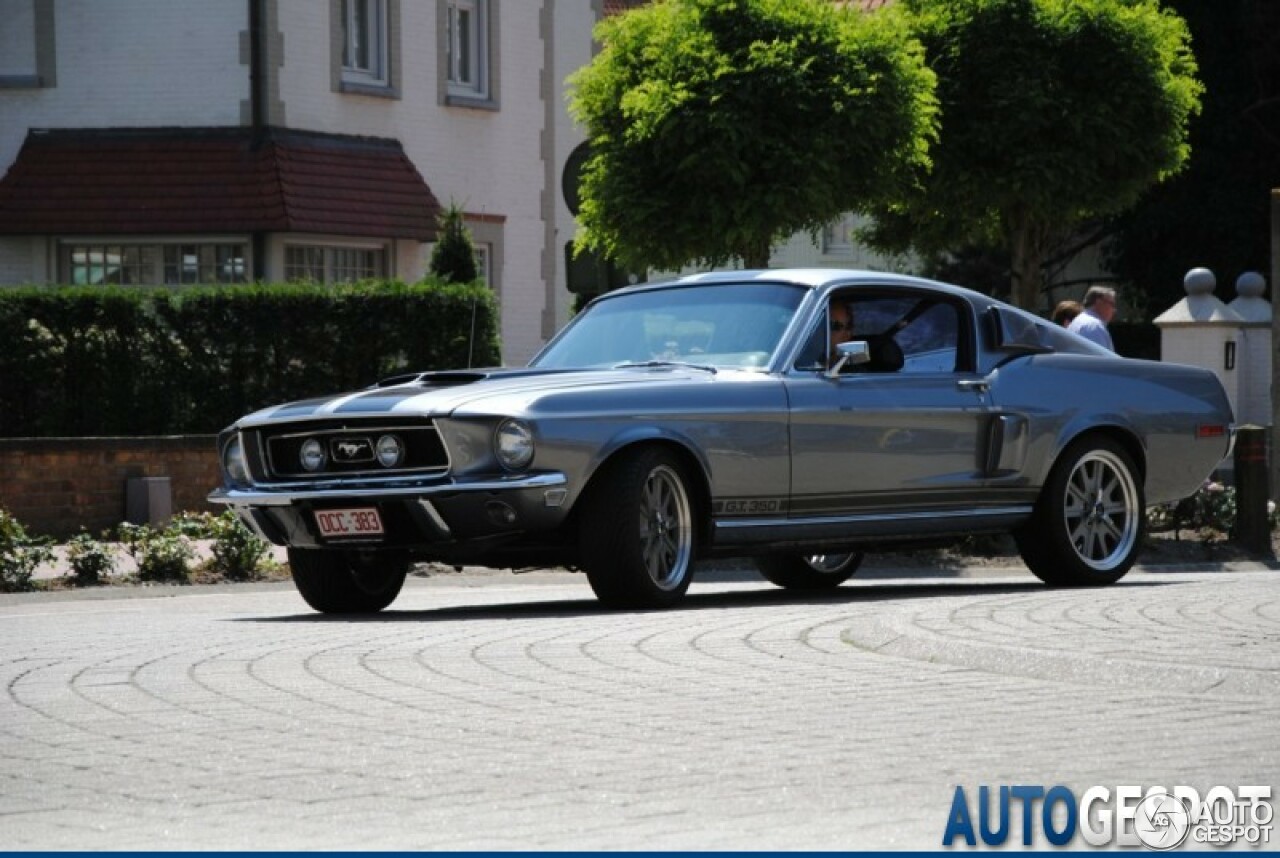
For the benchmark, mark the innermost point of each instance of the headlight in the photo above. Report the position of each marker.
(513, 443)
(233, 461)
(312, 455)
(390, 451)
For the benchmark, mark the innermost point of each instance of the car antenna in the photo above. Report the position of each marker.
(471, 340)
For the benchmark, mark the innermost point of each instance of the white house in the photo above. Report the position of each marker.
(175, 141)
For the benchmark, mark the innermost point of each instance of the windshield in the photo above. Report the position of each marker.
(737, 326)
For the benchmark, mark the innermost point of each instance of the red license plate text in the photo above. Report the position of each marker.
(337, 523)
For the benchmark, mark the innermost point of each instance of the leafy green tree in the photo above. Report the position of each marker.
(721, 126)
(1216, 213)
(453, 259)
(1054, 112)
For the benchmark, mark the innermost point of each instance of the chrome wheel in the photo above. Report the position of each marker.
(1102, 510)
(830, 563)
(638, 531)
(666, 528)
(808, 571)
(1086, 528)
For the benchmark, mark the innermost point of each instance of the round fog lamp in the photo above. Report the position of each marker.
(513, 443)
(390, 451)
(312, 455)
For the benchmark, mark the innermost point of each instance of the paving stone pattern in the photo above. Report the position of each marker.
(500, 712)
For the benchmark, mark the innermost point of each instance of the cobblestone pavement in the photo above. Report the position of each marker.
(501, 712)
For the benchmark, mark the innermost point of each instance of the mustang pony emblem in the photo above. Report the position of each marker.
(352, 451)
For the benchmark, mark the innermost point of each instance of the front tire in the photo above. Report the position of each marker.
(812, 572)
(347, 582)
(1086, 528)
(638, 537)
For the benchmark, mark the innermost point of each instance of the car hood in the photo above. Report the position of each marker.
(485, 391)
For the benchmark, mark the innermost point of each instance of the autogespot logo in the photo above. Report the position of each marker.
(1162, 821)
(1154, 817)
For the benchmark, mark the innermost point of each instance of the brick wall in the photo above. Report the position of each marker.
(55, 486)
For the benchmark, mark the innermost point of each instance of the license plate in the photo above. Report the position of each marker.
(337, 523)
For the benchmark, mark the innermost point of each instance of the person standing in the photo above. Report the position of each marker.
(1099, 310)
(1065, 313)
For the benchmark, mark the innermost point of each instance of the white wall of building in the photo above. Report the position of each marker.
(487, 160)
(23, 260)
(135, 63)
(574, 22)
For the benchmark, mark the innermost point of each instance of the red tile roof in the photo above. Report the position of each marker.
(617, 7)
(209, 180)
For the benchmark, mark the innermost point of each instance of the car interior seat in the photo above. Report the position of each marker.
(886, 355)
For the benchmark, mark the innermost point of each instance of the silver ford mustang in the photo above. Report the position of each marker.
(799, 418)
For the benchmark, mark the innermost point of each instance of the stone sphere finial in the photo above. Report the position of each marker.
(1199, 281)
(1251, 284)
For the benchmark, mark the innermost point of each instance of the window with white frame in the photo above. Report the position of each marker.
(134, 264)
(333, 264)
(467, 48)
(838, 238)
(487, 242)
(482, 263)
(18, 38)
(365, 42)
(204, 263)
(27, 44)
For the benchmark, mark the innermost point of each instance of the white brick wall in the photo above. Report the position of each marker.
(132, 63)
(486, 160)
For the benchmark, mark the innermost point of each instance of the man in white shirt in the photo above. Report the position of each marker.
(1099, 310)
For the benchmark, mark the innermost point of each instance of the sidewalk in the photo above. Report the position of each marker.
(1189, 556)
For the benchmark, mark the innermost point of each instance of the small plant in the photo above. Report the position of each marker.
(161, 555)
(454, 257)
(90, 560)
(238, 553)
(195, 525)
(1210, 512)
(20, 554)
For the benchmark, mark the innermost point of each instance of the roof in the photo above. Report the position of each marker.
(211, 180)
(617, 7)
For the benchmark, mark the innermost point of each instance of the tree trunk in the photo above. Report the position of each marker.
(1026, 250)
(756, 254)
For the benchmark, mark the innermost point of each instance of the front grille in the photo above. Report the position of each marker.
(349, 449)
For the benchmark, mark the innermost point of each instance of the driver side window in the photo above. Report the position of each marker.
(907, 333)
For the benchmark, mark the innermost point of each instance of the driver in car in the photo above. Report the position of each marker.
(840, 318)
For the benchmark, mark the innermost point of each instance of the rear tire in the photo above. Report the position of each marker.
(347, 582)
(1087, 525)
(638, 536)
(811, 572)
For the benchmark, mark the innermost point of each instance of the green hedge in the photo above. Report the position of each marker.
(83, 361)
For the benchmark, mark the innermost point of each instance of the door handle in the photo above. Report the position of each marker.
(977, 385)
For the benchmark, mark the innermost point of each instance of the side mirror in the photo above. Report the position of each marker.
(853, 353)
(1017, 332)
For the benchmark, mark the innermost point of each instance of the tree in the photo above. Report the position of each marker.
(1216, 213)
(1054, 113)
(718, 127)
(453, 259)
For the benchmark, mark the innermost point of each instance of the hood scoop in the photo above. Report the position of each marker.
(458, 378)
